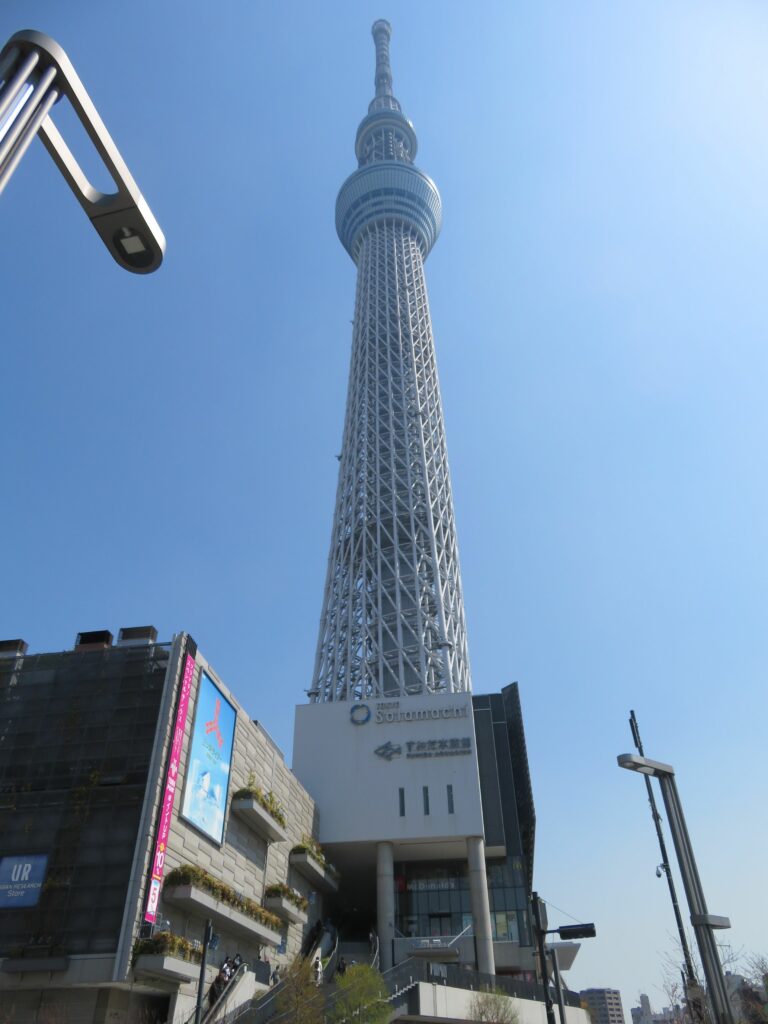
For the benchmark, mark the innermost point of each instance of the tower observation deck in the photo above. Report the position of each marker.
(392, 623)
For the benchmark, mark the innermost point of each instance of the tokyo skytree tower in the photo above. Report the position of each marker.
(392, 623)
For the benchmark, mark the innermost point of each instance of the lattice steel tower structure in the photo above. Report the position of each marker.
(392, 623)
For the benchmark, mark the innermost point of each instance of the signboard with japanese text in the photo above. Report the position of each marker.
(402, 769)
(169, 792)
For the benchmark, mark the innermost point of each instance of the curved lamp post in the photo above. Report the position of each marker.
(34, 74)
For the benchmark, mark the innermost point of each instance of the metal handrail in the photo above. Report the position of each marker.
(376, 952)
(330, 967)
(225, 992)
(239, 973)
(267, 999)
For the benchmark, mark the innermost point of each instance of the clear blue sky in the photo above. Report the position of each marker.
(600, 311)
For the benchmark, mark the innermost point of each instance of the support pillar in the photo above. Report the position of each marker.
(385, 902)
(481, 911)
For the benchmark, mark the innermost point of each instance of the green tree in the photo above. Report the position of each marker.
(361, 997)
(300, 1001)
(493, 1006)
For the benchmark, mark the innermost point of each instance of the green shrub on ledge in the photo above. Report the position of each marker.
(267, 800)
(294, 897)
(315, 851)
(190, 874)
(166, 944)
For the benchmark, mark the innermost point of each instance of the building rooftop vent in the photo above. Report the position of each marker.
(94, 640)
(136, 636)
(13, 648)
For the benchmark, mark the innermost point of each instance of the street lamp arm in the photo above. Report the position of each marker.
(122, 218)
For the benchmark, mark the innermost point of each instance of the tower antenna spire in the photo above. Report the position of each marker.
(382, 33)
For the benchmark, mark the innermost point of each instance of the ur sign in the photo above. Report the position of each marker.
(164, 827)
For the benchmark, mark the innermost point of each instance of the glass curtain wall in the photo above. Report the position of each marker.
(433, 899)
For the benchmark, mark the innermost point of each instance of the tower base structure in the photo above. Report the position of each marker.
(425, 808)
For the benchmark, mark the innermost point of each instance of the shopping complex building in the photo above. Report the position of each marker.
(138, 799)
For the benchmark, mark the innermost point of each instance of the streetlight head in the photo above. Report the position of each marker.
(644, 765)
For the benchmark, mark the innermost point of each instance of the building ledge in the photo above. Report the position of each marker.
(433, 950)
(323, 877)
(286, 909)
(441, 949)
(566, 953)
(496, 851)
(249, 810)
(42, 964)
(199, 902)
(172, 968)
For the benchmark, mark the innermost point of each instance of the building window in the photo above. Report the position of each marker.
(425, 791)
(401, 798)
(449, 790)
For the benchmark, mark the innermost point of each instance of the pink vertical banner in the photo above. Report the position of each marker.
(166, 812)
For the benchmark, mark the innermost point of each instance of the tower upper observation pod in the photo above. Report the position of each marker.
(386, 183)
(392, 623)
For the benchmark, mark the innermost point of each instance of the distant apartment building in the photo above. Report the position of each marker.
(604, 1005)
(643, 1014)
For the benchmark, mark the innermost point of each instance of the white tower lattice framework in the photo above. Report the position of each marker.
(392, 623)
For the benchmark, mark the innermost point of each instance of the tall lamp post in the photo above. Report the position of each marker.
(35, 73)
(704, 923)
(690, 983)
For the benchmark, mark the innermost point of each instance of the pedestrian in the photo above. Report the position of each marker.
(275, 979)
(318, 968)
(342, 967)
(237, 961)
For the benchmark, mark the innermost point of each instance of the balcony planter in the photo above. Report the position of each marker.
(321, 876)
(286, 909)
(166, 955)
(258, 818)
(197, 901)
(163, 965)
(200, 893)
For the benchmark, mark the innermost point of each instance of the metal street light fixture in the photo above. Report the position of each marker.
(691, 986)
(703, 922)
(34, 74)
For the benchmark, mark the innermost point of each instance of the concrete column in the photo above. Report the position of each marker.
(385, 902)
(481, 911)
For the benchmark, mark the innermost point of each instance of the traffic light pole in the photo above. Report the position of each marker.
(558, 985)
(540, 927)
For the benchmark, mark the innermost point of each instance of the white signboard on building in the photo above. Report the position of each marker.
(396, 769)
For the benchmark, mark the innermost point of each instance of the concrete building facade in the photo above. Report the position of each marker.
(604, 1004)
(118, 841)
